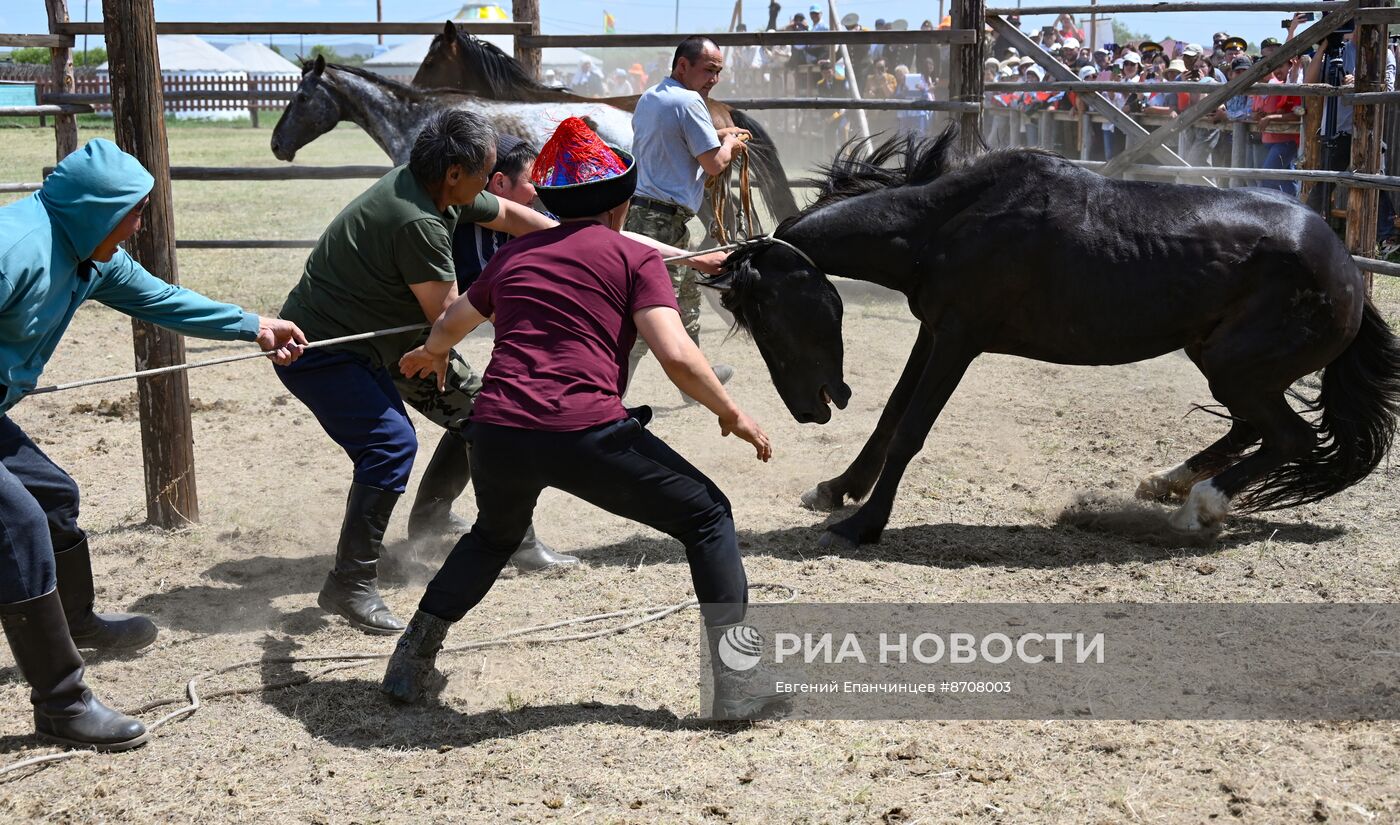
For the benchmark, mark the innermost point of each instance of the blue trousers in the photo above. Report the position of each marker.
(38, 512)
(358, 406)
(1281, 156)
(620, 467)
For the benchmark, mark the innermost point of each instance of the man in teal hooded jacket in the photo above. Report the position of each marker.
(59, 248)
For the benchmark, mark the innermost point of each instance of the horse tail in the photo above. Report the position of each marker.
(1355, 425)
(772, 180)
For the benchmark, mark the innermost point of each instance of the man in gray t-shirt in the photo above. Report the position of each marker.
(677, 146)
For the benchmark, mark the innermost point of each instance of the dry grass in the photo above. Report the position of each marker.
(603, 731)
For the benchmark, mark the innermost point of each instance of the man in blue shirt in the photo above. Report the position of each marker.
(677, 146)
(59, 248)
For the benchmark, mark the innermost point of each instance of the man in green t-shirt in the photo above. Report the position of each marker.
(386, 261)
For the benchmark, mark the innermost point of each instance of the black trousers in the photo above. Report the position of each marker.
(38, 515)
(620, 467)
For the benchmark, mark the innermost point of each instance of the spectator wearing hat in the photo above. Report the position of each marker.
(1113, 139)
(588, 81)
(1217, 52)
(567, 303)
(1168, 103)
(1069, 52)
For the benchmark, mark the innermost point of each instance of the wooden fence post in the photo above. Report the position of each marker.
(1362, 202)
(530, 58)
(65, 127)
(966, 70)
(139, 118)
(253, 102)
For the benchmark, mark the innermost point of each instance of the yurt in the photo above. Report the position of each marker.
(185, 59)
(261, 62)
(403, 60)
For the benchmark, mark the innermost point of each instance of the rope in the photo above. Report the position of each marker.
(717, 190)
(229, 359)
(525, 635)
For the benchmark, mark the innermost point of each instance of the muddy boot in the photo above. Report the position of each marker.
(443, 481)
(723, 372)
(104, 632)
(741, 694)
(534, 555)
(412, 673)
(65, 711)
(350, 589)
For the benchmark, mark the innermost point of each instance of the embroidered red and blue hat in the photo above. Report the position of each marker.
(577, 175)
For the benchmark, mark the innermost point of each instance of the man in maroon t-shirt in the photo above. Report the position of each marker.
(568, 303)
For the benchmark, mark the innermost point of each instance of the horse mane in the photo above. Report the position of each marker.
(393, 86)
(505, 78)
(899, 161)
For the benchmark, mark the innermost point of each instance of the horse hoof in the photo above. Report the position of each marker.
(1205, 510)
(819, 499)
(1153, 488)
(834, 541)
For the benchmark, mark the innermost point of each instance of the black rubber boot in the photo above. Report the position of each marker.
(412, 673)
(534, 555)
(443, 481)
(104, 632)
(740, 694)
(65, 711)
(350, 590)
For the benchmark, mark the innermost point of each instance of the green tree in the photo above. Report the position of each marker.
(31, 55)
(332, 56)
(41, 56)
(1122, 34)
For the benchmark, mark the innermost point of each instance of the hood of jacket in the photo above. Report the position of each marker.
(90, 192)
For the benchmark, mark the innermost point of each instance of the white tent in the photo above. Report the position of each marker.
(405, 58)
(189, 58)
(260, 61)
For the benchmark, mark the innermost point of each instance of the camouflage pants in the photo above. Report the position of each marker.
(670, 229)
(448, 407)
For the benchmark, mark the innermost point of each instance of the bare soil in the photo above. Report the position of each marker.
(605, 730)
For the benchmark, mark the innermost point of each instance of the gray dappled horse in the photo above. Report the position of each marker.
(1020, 252)
(392, 114)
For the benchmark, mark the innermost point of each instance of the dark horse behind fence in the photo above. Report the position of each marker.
(461, 61)
(1020, 252)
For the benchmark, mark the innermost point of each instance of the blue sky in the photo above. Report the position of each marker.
(586, 16)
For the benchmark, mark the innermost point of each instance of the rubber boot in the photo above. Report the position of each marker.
(104, 632)
(534, 555)
(350, 589)
(740, 694)
(65, 711)
(412, 673)
(443, 481)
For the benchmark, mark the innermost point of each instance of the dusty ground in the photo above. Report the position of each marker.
(604, 731)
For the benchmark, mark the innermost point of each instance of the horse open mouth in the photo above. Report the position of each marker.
(842, 398)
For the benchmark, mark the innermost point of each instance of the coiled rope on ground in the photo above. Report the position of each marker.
(194, 700)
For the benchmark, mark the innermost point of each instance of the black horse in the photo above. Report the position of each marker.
(1020, 252)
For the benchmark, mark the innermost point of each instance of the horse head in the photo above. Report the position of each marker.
(793, 314)
(444, 66)
(312, 112)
